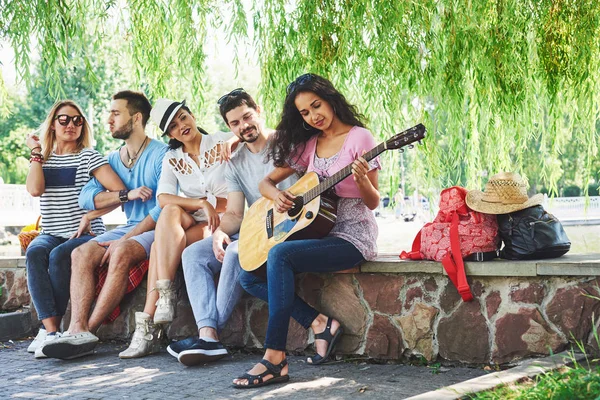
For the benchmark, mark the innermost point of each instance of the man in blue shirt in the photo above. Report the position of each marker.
(138, 164)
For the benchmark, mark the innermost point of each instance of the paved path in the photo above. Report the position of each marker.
(159, 376)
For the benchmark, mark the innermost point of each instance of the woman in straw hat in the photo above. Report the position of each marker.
(192, 166)
(61, 163)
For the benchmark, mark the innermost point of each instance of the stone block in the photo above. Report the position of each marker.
(382, 292)
(449, 298)
(430, 284)
(464, 335)
(309, 289)
(15, 325)
(524, 334)
(417, 330)
(412, 294)
(530, 294)
(492, 303)
(571, 310)
(340, 300)
(384, 340)
(15, 293)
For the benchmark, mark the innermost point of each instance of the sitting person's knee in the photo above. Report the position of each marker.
(126, 255)
(171, 209)
(81, 256)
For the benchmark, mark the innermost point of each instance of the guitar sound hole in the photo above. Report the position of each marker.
(297, 207)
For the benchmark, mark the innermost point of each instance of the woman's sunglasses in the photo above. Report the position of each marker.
(64, 119)
(301, 80)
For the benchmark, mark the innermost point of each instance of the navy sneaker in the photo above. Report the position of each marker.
(202, 351)
(177, 347)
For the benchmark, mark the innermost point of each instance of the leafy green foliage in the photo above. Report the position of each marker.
(501, 85)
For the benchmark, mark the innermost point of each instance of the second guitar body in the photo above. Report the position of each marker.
(263, 227)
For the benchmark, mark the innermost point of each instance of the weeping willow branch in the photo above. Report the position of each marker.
(489, 78)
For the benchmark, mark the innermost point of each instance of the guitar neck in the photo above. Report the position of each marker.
(339, 176)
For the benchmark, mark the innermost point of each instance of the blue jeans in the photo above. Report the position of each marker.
(286, 260)
(212, 304)
(48, 261)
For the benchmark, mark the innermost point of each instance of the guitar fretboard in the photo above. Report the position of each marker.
(340, 175)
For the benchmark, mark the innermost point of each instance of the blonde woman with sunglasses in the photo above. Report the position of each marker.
(62, 162)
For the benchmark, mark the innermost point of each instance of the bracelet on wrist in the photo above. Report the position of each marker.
(123, 195)
(36, 147)
(39, 155)
(36, 159)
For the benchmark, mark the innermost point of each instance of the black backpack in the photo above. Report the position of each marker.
(531, 234)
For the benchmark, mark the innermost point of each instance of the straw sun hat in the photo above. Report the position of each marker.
(504, 193)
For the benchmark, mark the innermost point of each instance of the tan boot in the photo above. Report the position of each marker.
(165, 305)
(146, 338)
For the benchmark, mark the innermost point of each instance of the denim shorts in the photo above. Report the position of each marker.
(145, 239)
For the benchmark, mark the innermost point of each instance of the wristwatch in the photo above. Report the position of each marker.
(123, 195)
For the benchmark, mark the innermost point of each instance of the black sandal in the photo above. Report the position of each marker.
(331, 342)
(272, 369)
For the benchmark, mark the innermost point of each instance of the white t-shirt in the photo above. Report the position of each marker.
(182, 176)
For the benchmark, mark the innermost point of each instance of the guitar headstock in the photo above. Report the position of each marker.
(407, 137)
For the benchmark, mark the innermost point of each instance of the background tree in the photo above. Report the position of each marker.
(501, 85)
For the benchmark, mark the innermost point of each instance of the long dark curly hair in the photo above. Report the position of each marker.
(291, 132)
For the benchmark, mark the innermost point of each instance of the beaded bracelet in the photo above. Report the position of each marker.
(37, 155)
(36, 159)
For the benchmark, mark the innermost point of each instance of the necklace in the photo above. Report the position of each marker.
(130, 159)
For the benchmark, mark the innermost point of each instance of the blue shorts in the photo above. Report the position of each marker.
(145, 239)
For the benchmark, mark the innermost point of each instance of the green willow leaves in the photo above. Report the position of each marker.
(490, 79)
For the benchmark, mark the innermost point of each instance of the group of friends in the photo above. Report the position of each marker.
(184, 204)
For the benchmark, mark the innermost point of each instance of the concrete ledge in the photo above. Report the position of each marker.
(568, 265)
(15, 325)
(527, 369)
(389, 263)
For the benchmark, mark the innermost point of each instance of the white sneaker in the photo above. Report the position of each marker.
(146, 338)
(71, 345)
(39, 339)
(165, 305)
(39, 352)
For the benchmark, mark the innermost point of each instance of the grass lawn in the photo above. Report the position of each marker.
(569, 383)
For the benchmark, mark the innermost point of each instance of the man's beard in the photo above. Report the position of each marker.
(124, 131)
(251, 139)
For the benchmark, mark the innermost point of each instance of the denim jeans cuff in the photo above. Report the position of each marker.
(206, 323)
(274, 346)
(43, 317)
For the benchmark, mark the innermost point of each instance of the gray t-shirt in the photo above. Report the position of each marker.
(246, 169)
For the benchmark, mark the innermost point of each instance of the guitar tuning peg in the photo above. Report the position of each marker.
(420, 142)
(401, 150)
(411, 146)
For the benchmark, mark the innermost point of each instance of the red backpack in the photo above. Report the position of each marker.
(456, 233)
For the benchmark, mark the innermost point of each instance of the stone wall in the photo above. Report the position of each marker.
(403, 314)
(397, 316)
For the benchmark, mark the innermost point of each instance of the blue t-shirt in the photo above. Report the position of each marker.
(145, 172)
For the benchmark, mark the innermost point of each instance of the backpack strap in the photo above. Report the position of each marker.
(454, 265)
(415, 253)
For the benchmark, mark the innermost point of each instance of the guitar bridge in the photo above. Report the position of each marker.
(269, 223)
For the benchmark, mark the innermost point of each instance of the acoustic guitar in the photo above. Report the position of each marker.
(313, 213)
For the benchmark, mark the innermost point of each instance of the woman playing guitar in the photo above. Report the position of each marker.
(321, 132)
